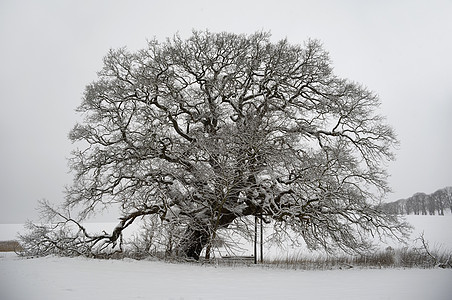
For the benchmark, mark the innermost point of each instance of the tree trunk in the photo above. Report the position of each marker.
(197, 236)
(194, 241)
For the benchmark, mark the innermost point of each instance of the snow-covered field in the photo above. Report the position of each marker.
(80, 278)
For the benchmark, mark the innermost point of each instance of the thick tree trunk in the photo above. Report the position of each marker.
(198, 236)
(194, 241)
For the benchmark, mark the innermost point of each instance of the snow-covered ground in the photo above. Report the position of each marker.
(80, 278)
(437, 230)
(58, 278)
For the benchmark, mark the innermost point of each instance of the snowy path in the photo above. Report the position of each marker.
(79, 278)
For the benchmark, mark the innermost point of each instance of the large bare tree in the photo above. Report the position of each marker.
(205, 131)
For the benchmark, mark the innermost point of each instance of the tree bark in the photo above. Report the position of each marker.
(196, 238)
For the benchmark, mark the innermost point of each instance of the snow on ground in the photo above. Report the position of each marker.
(80, 278)
(436, 229)
(59, 278)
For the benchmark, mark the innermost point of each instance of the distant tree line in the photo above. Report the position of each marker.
(422, 204)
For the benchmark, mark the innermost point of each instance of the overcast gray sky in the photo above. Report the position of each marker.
(49, 51)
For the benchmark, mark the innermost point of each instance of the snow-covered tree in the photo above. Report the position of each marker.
(206, 131)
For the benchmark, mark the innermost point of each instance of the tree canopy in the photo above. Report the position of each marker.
(198, 133)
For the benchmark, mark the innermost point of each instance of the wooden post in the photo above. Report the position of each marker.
(255, 240)
(262, 242)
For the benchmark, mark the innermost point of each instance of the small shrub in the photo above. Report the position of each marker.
(10, 246)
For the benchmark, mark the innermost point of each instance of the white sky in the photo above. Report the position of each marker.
(49, 51)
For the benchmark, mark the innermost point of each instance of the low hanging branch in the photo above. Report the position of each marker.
(66, 236)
